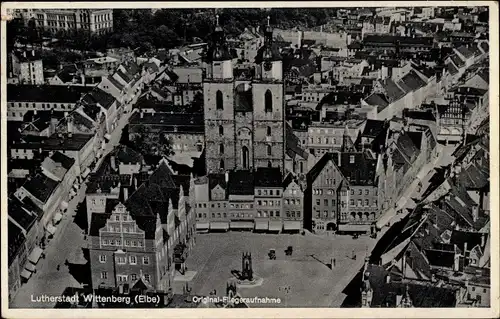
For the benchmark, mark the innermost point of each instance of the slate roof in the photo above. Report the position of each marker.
(45, 93)
(241, 182)
(127, 78)
(41, 187)
(419, 115)
(53, 143)
(413, 81)
(457, 61)
(98, 220)
(451, 68)
(65, 161)
(15, 239)
(416, 138)
(466, 52)
(393, 92)
(98, 96)
(440, 258)
(374, 128)
(472, 239)
(360, 172)
(17, 213)
(268, 177)
(217, 179)
(421, 295)
(473, 177)
(113, 81)
(377, 99)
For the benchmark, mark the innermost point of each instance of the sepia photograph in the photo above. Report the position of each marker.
(198, 157)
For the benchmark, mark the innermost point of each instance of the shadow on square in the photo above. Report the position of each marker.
(81, 216)
(81, 273)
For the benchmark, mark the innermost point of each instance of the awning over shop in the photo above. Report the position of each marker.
(51, 229)
(354, 228)
(202, 226)
(86, 172)
(275, 225)
(30, 267)
(26, 274)
(57, 218)
(35, 255)
(292, 225)
(219, 225)
(64, 204)
(261, 225)
(242, 225)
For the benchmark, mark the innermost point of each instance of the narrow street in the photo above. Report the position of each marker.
(67, 244)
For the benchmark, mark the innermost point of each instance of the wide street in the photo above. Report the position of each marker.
(66, 244)
(311, 283)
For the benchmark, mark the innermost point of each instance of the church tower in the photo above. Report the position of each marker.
(218, 93)
(268, 105)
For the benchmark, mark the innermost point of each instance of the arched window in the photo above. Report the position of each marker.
(269, 152)
(268, 131)
(269, 164)
(219, 100)
(301, 167)
(244, 156)
(268, 101)
(221, 164)
(221, 130)
(221, 148)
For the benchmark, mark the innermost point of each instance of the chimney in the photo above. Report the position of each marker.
(33, 52)
(70, 124)
(388, 279)
(24, 54)
(142, 114)
(433, 277)
(483, 240)
(113, 162)
(227, 177)
(475, 212)
(125, 194)
(465, 249)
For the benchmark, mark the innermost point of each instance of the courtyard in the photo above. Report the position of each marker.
(300, 280)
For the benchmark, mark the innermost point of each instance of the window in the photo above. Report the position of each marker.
(221, 164)
(117, 218)
(367, 202)
(221, 130)
(352, 191)
(145, 260)
(268, 101)
(104, 275)
(352, 202)
(318, 202)
(351, 159)
(147, 277)
(359, 202)
(104, 241)
(121, 260)
(127, 242)
(326, 202)
(118, 242)
(122, 278)
(102, 258)
(219, 100)
(139, 243)
(277, 192)
(269, 152)
(277, 213)
(271, 192)
(133, 277)
(132, 260)
(367, 192)
(360, 192)
(268, 131)
(333, 202)
(221, 148)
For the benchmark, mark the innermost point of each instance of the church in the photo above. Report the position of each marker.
(244, 118)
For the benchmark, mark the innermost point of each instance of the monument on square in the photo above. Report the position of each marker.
(246, 268)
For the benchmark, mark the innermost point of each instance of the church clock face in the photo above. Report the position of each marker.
(267, 66)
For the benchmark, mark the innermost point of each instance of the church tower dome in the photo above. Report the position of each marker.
(269, 57)
(218, 57)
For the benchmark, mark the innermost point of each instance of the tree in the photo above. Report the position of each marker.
(147, 142)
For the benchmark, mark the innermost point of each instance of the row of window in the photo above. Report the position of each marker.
(360, 216)
(268, 203)
(43, 105)
(118, 242)
(221, 151)
(124, 278)
(122, 229)
(221, 131)
(122, 260)
(343, 192)
(292, 202)
(271, 213)
(269, 192)
(226, 215)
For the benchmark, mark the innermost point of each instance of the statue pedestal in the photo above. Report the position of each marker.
(255, 282)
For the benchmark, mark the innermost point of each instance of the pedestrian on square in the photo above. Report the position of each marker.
(58, 266)
(334, 262)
